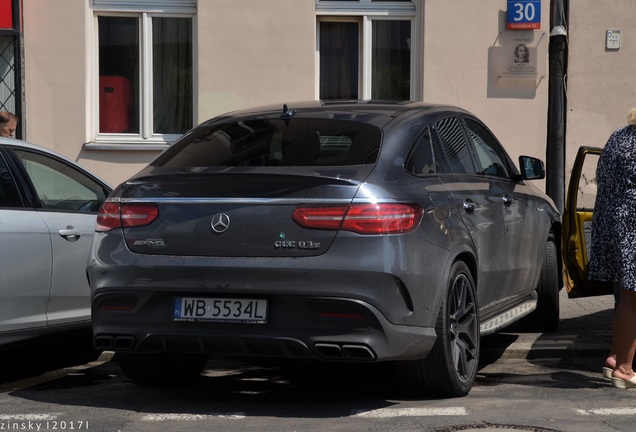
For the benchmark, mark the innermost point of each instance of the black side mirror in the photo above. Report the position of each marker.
(531, 168)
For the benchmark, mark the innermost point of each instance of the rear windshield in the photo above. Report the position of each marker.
(267, 142)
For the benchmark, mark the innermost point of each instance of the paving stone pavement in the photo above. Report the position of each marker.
(585, 328)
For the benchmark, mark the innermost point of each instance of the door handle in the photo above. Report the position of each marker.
(70, 234)
(507, 200)
(469, 205)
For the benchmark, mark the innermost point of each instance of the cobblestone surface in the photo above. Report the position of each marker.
(585, 327)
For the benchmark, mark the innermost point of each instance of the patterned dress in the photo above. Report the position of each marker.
(613, 251)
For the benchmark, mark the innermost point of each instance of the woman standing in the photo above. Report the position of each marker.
(613, 251)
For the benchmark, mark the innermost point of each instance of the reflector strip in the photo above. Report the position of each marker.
(116, 308)
(339, 315)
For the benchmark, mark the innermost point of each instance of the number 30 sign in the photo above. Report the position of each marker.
(524, 15)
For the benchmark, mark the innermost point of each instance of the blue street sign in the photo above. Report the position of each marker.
(523, 15)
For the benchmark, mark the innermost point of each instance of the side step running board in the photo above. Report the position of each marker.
(498, 322)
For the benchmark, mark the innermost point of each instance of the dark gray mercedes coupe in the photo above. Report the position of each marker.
(333, 231)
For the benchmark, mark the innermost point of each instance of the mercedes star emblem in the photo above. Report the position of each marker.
(220, 222)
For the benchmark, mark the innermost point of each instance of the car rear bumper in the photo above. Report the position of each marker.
(303, 327)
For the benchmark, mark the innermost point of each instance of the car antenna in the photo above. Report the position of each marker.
(287, 113)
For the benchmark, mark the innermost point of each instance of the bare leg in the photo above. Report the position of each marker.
(610, 361)
(625, 335)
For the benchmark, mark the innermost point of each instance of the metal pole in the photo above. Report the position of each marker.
(557, 105)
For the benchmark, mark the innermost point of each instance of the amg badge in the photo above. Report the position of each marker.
(153, 243)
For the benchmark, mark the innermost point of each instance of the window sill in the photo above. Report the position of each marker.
(119, 146)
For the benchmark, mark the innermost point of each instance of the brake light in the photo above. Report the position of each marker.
(116, 215)
(329, 218)
(368, 218)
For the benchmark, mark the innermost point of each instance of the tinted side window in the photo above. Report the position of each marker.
(60, 186)
(9, 196)
(448, 139)
(421, 161)
(271, 142)
(491, 159)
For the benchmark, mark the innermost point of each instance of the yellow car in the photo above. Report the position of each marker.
(577, 226)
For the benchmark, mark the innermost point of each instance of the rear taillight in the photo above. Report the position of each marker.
(369, 218)
(329, 218)
(125, 215)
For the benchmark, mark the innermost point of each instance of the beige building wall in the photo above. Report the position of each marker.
(55, 47)
(252, 55)
(467, 51)
(57, 106)
(248, 54)
(601, 84)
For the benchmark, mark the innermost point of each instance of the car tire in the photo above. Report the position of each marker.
(451, 367)
(545, 318)
(161, 367)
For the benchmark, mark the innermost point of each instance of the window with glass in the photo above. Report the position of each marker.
(9, 195)
(450, 146)
(421, 161)
(8, 73)
(145, 76)
(60, 186)
(491, 159)
(365, 54)
(275, 142)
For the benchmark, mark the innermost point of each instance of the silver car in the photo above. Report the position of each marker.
(48, 207)
(340, 232)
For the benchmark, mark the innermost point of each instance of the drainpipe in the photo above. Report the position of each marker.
(557, 103)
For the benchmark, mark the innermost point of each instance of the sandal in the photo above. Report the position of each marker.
(607, 373)
(624, 384)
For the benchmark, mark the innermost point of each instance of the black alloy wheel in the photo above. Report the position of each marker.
(451, 367)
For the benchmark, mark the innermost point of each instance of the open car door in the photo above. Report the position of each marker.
(577, 226)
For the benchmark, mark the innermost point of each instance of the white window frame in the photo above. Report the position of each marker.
(145, 10)
(364, 12)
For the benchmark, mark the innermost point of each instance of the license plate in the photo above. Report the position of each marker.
(236, 310)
